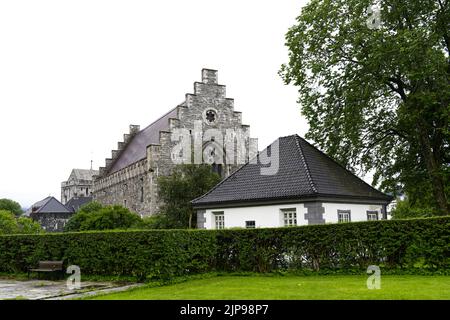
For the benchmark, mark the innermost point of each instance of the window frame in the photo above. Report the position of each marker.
(342, 213)
(219, 223)
(248, 226)
(289, 221)
(373, 212)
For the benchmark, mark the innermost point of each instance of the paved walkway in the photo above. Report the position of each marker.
(55, 290)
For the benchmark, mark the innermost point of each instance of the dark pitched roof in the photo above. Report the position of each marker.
(75, 203)
(304, 172)
(47, 205)
(136, 149)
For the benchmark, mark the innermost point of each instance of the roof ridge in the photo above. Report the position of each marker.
(302, 156)
(47, 200)
(167, 113)
(340, 165)
(132, 138)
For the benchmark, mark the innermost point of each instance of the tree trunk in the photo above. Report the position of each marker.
(433, 168)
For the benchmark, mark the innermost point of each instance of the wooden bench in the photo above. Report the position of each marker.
(48, 266)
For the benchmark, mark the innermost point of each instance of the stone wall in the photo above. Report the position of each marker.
(79, 188)
(136, 185)
(127, 187)
(51, 222)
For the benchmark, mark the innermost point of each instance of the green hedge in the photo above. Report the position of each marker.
(395, 244)
(154, 253)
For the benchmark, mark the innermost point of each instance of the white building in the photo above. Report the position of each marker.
(299, 185)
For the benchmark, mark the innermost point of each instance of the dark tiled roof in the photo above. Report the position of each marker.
(48, 205)
(304, 172)
(136, 149)
(75, 203)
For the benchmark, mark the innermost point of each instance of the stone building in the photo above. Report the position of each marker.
(205, 125)
(76, 203)
(51, 214)
(79, 185)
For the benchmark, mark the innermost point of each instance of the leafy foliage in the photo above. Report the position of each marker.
(186, 183)
(404, 210)
(415, 246)
(94, 216)
(158, 221)
(11, 205)
(9, 224)
(74, 223)
(28, 226)
(378, 98)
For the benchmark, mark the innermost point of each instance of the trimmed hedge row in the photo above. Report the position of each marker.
(156, 254)
(407, 244)
(423, 243)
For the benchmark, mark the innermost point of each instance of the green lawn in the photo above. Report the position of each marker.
(293, 287)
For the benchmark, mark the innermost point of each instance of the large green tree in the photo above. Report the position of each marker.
(11, 205)
(376, 91)
(187, 182)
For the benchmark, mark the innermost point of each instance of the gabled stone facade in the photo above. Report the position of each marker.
(78, 185)
(130, 176)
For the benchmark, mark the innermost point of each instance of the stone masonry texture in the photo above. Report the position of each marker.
(136, 186)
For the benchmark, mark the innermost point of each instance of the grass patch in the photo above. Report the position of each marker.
(330, 287)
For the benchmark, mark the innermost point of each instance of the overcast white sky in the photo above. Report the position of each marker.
(75, 74)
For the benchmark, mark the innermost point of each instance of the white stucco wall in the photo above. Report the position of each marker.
(358, 212)
(271, 215)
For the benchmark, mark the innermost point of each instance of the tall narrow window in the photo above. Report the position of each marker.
(142, 190)
(125, 203)
(289, 217)
(219, 220)
(217, 168)
(344, 216)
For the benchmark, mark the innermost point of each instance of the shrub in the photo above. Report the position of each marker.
(153, 254)
(9, 224)
(158, 221)
(405, 210)
(94, 216)
(395, 245)
(28, 226)
(111, 217)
